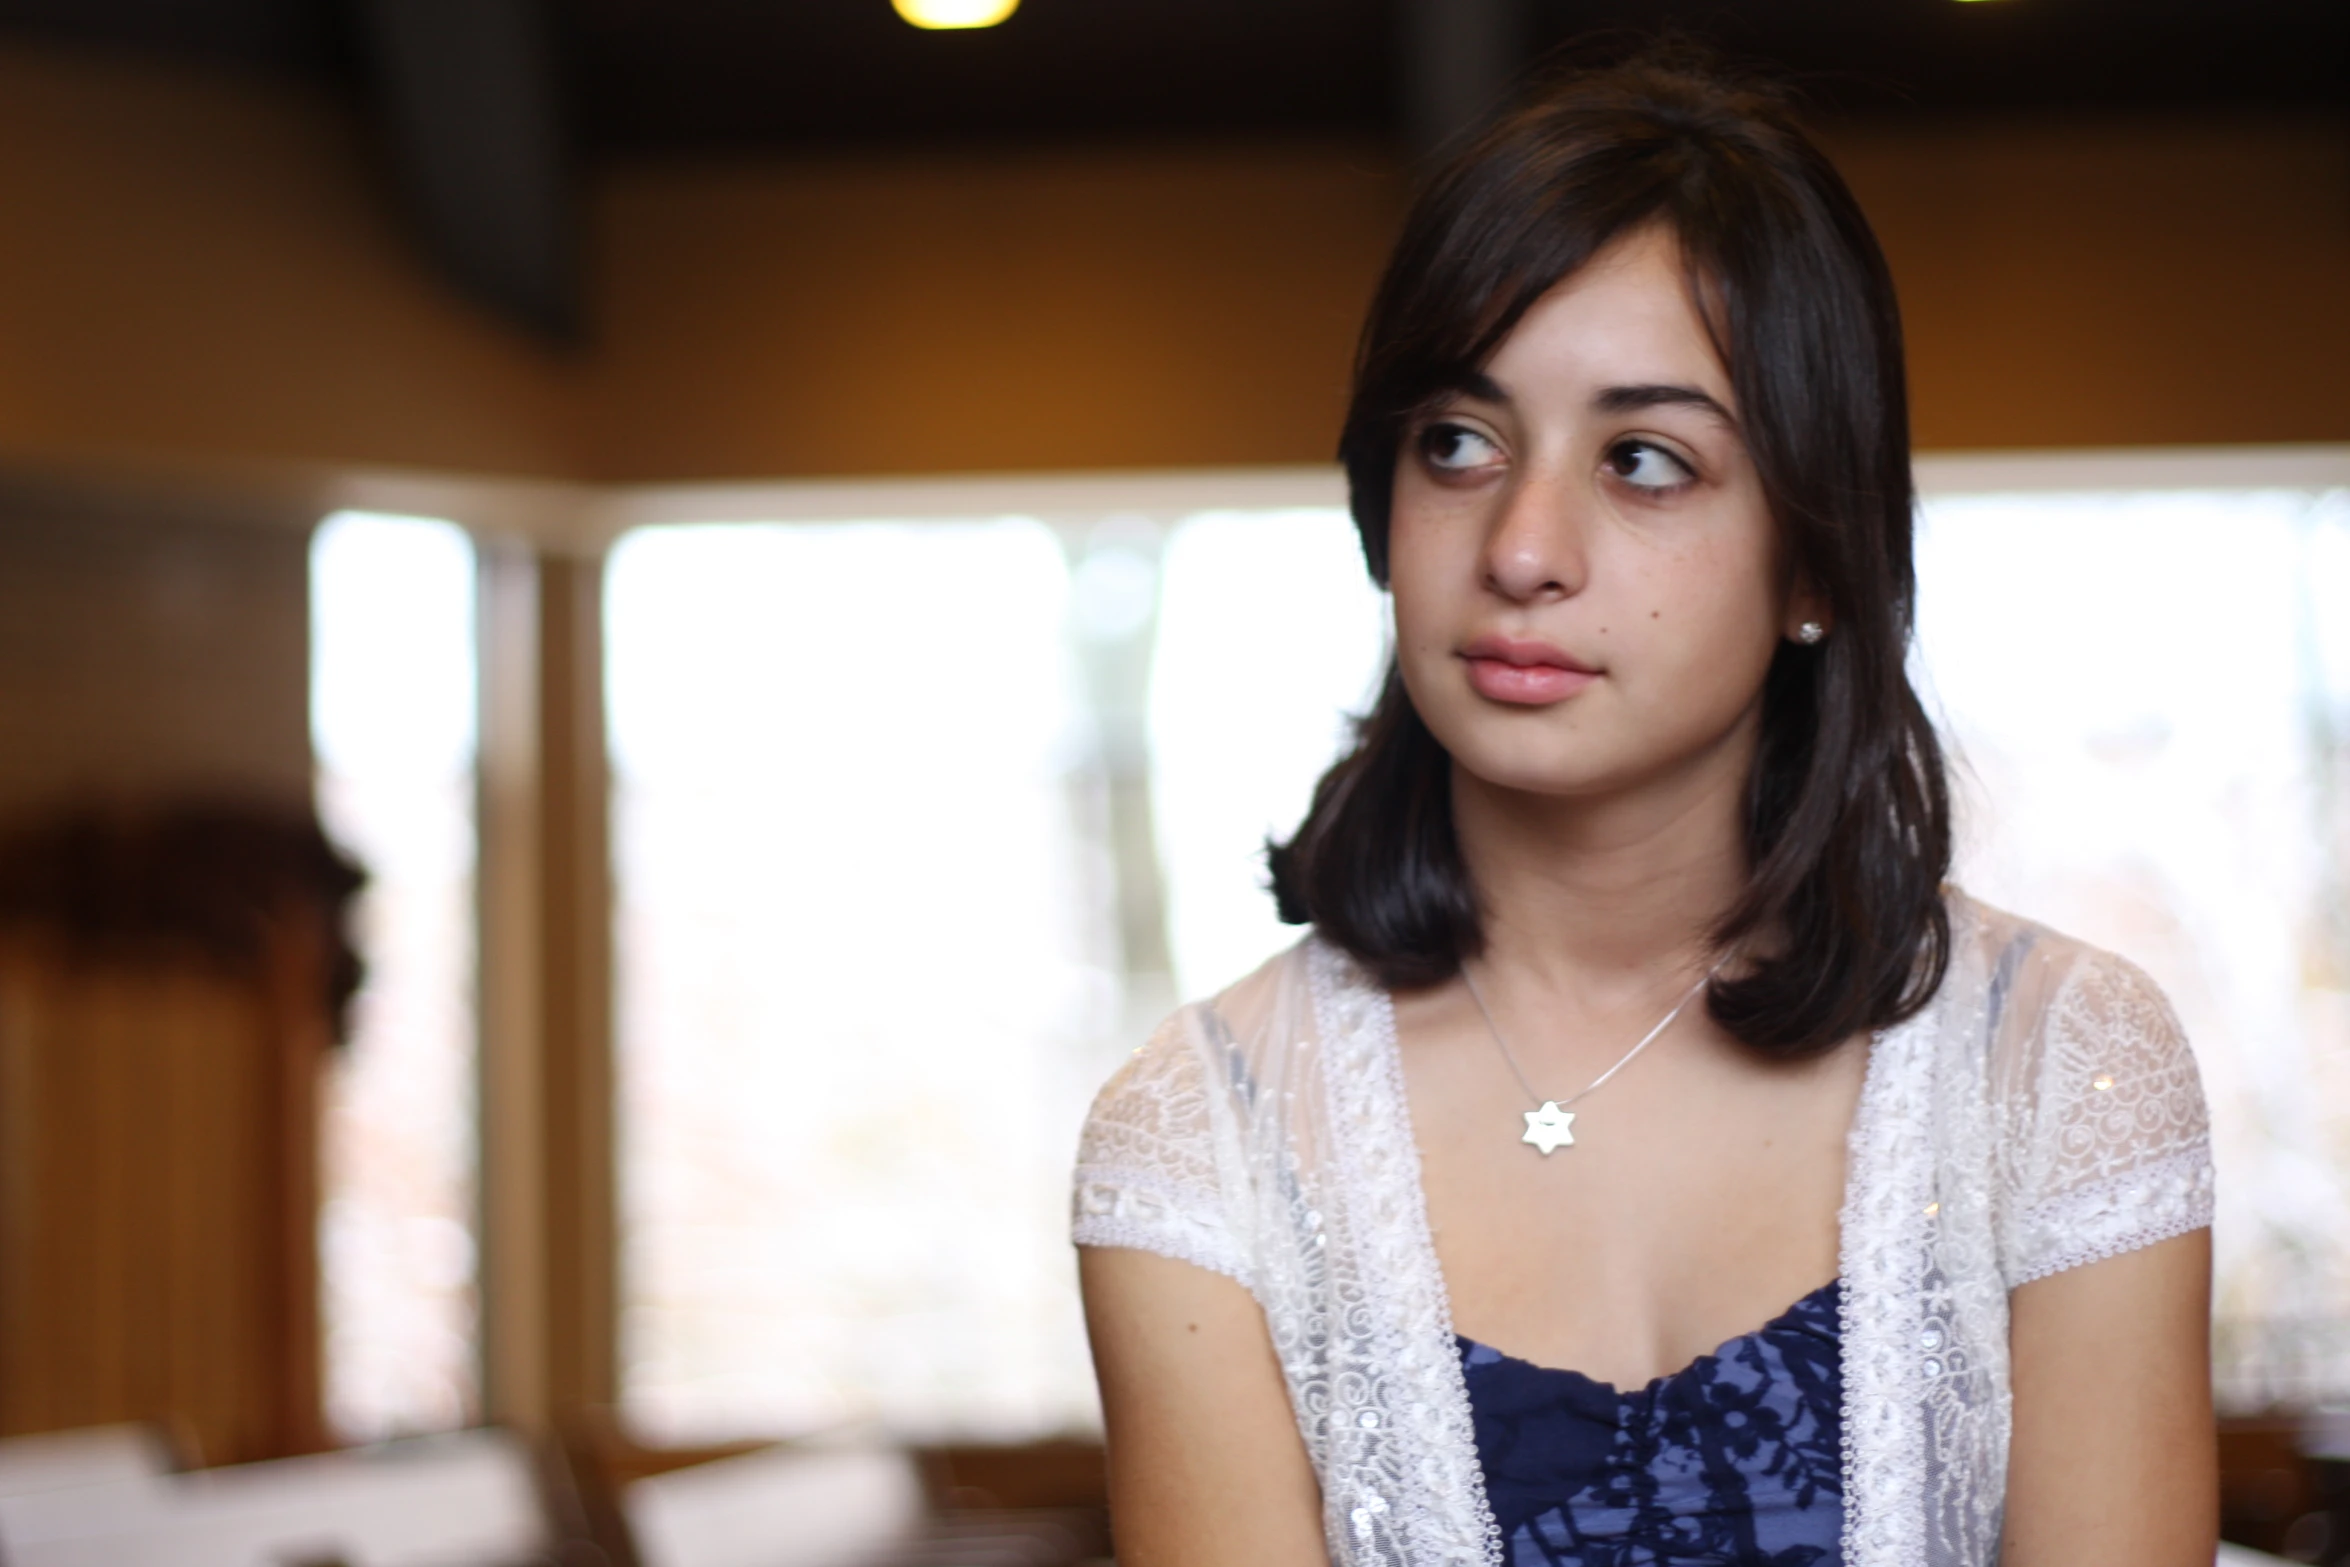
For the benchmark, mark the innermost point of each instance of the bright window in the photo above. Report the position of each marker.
(2149, 699)
(1270, 635)
(392, 720)
(865, 986)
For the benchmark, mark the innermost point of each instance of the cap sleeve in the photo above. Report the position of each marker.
(2109, 1140)
(1157, 1165)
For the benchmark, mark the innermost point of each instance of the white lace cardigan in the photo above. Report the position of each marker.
(2043, 1112)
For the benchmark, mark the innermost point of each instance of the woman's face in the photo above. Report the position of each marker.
(1588, 585)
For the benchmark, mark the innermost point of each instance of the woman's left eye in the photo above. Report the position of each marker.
(1646, 466)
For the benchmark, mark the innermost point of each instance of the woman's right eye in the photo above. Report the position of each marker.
(1455, 448)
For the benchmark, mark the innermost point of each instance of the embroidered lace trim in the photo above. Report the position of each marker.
(2166, 1197)
(1879, 1246)
(1417, 1373)
(1120, 1208)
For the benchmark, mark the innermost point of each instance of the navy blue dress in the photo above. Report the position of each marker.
(1735, 1460)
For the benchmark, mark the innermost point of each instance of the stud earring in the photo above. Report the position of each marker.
(1810, 632)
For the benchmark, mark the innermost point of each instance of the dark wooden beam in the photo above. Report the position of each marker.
(1458, 62)
(468, 96)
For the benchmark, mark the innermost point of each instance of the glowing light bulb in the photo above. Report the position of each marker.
(955, 13)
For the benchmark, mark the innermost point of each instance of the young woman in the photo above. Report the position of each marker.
(1647, 1159)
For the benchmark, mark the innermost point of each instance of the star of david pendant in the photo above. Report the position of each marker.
(1550, 1128)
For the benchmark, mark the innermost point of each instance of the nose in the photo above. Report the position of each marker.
(1534, 550)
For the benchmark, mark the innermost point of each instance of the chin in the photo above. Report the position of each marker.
(1557, 767)
(1535, 753)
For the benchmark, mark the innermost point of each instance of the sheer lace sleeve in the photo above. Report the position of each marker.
(1158, 1165)
(2108, 1144)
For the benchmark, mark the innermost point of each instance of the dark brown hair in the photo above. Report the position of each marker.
(1847, 811)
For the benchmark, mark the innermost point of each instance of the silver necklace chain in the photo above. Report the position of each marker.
(1600, 1081)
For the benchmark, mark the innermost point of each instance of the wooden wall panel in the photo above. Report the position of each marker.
(167, 1002)
(205, 268)
(151, 648)
(146, 1253)
(199, 261)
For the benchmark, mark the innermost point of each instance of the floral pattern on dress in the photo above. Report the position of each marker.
(1736, 1459)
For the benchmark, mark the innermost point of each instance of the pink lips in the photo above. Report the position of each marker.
(1531, 674)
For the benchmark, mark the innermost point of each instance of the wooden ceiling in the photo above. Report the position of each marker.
(732, 74)
(493, 108)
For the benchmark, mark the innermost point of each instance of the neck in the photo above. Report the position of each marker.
(1612, 896)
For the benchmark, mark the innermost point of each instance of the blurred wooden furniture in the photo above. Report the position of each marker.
(2324, 1538)
(2264, 1484)
(1065, 1475)
(470, 1498)
(169, 988)
(2284, 1482)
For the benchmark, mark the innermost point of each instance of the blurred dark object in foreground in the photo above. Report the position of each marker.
(225, 885)
(2285, 1485)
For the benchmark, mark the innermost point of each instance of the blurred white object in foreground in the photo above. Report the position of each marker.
(783, 1507)
(444, 1501)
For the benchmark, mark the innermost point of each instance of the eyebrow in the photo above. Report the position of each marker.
(1631, 399)
(1610, 399)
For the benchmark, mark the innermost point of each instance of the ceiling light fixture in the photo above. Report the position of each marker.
(955, 13)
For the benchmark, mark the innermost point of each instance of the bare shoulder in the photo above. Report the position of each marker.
(1243, 1011)
(2012, 948)
(1255, 1003)
(2048, 990)
(1176, 1062)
